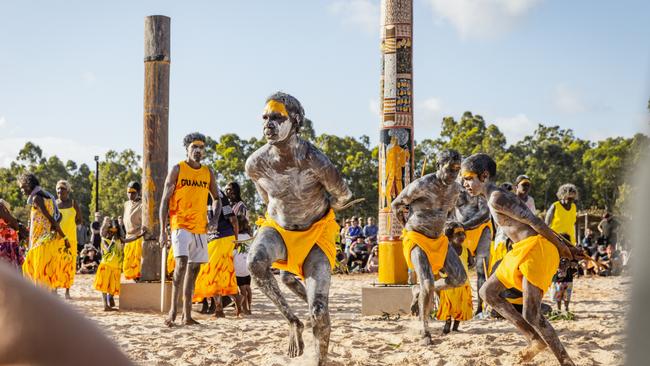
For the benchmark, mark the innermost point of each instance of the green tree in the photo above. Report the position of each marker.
(49, 171)
(469, 135)
(115, 173)
(606, 166)
(228, 158)
(551, 156)
(358, 166)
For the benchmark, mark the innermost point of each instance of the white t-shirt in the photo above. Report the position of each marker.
(530, 202)
(241, 268)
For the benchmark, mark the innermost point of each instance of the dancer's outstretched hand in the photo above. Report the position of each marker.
(342, 206)
(577, 253)
(564, 251)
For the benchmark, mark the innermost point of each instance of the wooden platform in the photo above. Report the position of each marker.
(377, 300)
(144, 296)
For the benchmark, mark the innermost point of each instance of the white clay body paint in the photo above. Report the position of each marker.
(284, 130)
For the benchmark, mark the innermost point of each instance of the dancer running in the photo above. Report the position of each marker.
(529, 266)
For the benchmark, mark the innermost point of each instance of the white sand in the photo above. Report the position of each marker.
(596, 337)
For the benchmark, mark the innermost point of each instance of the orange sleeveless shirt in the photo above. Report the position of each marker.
(188, 207)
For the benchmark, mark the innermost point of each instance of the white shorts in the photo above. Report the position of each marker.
(192, 246)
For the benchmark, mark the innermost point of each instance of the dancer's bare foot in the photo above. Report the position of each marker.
(296, 345)
(169, 321)
(530, 351)
(425, 338)
(67, 294)
(415, 307)
(190, 321)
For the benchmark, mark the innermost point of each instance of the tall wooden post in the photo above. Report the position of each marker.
(156, 120)
(396, 161)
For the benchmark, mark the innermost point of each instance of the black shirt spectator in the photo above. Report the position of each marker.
(227, 218)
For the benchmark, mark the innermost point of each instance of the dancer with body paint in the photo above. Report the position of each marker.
(430, 199)
(301, 189)
(530, 265)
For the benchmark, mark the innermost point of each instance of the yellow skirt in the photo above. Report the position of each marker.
(67, 266)
(107, 279)
(473, 236)
(299, 243)
(42, 262)
(456, 303)
(535, 258)
(435, 249)
(217, 277)
(496, 254)
(132, 259)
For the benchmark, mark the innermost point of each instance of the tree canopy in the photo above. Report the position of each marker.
(550, 155)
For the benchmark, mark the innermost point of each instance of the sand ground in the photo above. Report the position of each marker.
(595, 337)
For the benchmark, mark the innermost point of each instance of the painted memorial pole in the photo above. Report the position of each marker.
(156, 120)
(396, 161)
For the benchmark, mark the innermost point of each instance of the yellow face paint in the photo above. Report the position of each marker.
(132, 190)
(277, 107)
(459, 230)
(524, 181)
(198, 143)
(469, 175)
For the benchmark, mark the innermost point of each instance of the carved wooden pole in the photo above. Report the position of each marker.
(396, 161)
(156, 120)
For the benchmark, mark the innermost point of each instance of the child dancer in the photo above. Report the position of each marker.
(107, 279)
(456, 303)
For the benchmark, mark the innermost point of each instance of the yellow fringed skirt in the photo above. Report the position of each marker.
(456, 303)
(132, 259)
(217, 277)
(107, 279)
(42, 262)
(67, 267)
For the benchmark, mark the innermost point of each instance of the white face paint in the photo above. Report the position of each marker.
(284, 130)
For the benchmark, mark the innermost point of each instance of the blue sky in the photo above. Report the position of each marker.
(71, 73)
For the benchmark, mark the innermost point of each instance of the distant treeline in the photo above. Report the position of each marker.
(550, 156)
